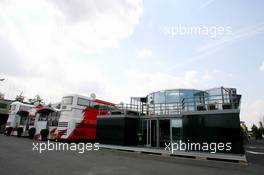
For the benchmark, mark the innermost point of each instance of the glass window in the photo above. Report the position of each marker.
(215, 95)
(176, 123)
(43, 117)
(23, 118)
(172, 96)
(226, 96)
(31, 121)
(159, 97)
(83, 102)
(3, 105)
(176, 126)
(215, 92)
(53, 118)
(185, 93)
(67, 100)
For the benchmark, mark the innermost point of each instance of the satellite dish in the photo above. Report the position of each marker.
(93, 96)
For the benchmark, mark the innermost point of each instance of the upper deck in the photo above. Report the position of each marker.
(217, 100)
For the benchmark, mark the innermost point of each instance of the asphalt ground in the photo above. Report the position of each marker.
(255, 152)
(17, 157)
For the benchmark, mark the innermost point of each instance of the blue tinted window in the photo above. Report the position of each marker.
(172, 96)
(159, 97)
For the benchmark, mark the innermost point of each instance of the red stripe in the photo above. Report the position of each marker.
(104, 102)
(60, 134)
(87, 127)
(53, 131)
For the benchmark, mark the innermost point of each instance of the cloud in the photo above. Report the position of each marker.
(56, 79)
(141, 82)
(67, 26)
(262, 67)
(144, 52)
(215, 45)
(252, 112)
(12, 62)
(241, 34)
(40, 41)
(206, 4)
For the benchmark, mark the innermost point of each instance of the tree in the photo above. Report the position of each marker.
(36, 101)
(257, 132)
(20, 97)
(244, 131)
(260, 124)
(261, 129)
(244, 126)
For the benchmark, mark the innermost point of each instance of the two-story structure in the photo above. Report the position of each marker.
(176, 115)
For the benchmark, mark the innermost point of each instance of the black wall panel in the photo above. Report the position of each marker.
(214, 128)
(117, 131)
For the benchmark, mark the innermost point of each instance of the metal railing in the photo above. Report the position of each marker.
(208, 103)
(197, 103)
(164, 109)
(128, 109)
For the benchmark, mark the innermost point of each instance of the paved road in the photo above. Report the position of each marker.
(17, 157)
(255, 152)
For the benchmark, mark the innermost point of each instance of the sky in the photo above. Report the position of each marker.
(123, 48)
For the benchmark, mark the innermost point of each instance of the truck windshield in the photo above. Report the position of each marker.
(67, 100)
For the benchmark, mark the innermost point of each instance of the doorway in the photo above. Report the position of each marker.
(150, 132)
(164, 132)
